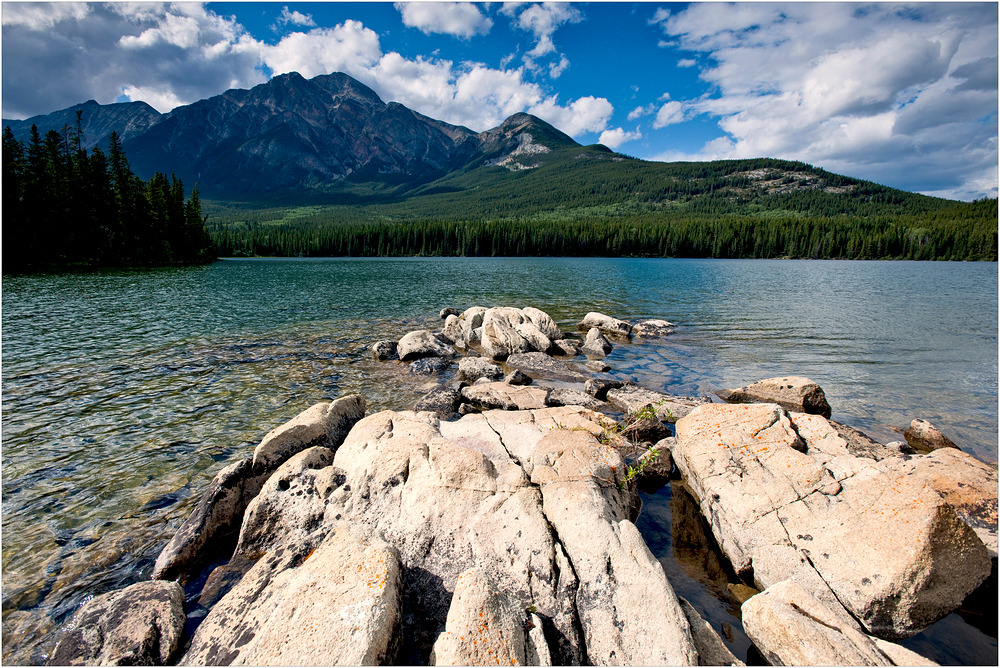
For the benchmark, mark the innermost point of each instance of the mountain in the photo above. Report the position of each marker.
(97, 122)
(295, 134)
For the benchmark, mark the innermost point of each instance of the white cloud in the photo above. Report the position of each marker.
(615, 138)
(639, 112)
(295, 18)
(586, 114)
(686, 62)
(41, 16)
(461, 19)
(542, 20)
(868, 91)
(670, 113)
(349, 47)
(555, 69)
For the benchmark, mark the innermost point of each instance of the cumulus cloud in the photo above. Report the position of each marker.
(542, 20)
(875, 92)
(586, 114)
(670, 113)
(348, 47)
(59, 54)
(616, 137)
(461, 19)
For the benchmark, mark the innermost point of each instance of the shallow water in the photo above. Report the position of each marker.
(125, 390)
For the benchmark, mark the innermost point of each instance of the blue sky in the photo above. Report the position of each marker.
(905, 95)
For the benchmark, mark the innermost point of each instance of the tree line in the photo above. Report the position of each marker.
(966, 231)
(64, 206)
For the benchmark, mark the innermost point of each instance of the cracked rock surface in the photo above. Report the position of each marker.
(786, 500)
(515, 514)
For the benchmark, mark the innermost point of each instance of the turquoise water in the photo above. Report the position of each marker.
(125, 390)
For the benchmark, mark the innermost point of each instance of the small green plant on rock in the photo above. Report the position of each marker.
(637, 469)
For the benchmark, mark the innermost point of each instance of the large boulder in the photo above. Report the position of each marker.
(218, 513)
(791, 627)
(606, 324)
(324, 424)
(500, 337)
(335, 603)
(543, 321)
(786, 500)
(220, 510)
(790, 392)
(141, 625)
(422, 343)
(924, 436)
(966, 484)
(628, 611)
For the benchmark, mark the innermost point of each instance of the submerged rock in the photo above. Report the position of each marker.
(543, 365)
(474, 368)
(384, 350)
(786, 500)
(653, 329)
(141, 625)
(632, 399)
(429, 366)
(791, 392)
(443, 401)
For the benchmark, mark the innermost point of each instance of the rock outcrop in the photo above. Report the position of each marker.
(220, 510)
(786, 500)
(507, 536)
(141, 625)
(507, 528)
(790, 392)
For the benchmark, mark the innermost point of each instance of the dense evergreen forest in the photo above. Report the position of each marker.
(590, 202)
(64, 206)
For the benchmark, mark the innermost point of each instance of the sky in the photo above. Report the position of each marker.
(901, 94)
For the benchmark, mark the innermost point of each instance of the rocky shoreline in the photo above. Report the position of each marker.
(494, 523)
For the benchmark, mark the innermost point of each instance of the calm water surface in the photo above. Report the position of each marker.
(125, 391)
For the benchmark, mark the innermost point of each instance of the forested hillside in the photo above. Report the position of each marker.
(63, 205)
(587, 201)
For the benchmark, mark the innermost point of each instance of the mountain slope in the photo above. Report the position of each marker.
(98, 121)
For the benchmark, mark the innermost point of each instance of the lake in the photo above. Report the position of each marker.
(124, 391)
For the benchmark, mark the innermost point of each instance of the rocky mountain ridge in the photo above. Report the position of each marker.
(292, 133)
